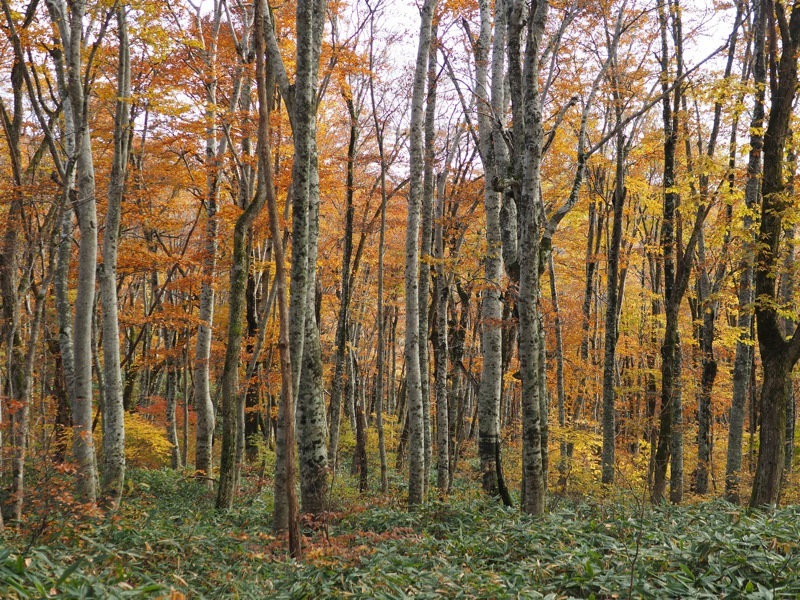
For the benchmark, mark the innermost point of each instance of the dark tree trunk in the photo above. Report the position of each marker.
(778, 356)
(744, 349)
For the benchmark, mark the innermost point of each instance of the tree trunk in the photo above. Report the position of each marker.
(240, 267)
(311, 418)
(9, 293)
(360, 457)
(301, 101)
(495, 161)
(426, 227)
(786, 293)
(286, 494)
(612, 314)
(677, 265)
(172, 405)
(744, 350)
(344, 295)
(592, 250)
(83, 445)
(416, 419)
(113, 410)
(778, 356)
(382, 321)
(204, 407)
(560, 390)
(442, 295)
(530, 229)
(709, 374)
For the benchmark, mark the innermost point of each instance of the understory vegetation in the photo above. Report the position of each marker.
(167, 541)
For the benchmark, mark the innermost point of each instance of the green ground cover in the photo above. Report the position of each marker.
(167, 541)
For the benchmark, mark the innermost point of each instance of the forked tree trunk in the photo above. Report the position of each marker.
(530, 229)
(301, 102)
(416, 420)
(240, 267)
(288, 497)
(494, 158)
(83, 445)
(113, 411)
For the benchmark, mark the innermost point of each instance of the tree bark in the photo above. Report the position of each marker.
(530, 229)
(676, 265)
(344, 294)
(203, 404)
(240, 267)
(778, 355)
(442, 295)
(495, 161)
(381, 341)
(612, 312)
(426, 227)
(301, 103)
(113, 411)
(288, 496)
(416, 470)
(744, 349)
(560, 389)
(86, 210)
(312, 431)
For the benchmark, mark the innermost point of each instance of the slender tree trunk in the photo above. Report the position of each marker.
(240, 266)
(113, 411)
(172, 405)
(83, 445)
(9, 293)
(530, 229)
(676, 268)
(416, 471)
(612, 315)
(592, 250)
(428, 184)
(20, 418)
(360, 458)
(381, 343)
(344, 300)
(495, 161)
(786, 293)
(442, 296)
(709, 374)
(186, 400)
(204, 407)
(744, 349)
(287, 486)
(301, 101)
(560, 389)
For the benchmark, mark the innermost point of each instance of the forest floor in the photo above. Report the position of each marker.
(167, 541)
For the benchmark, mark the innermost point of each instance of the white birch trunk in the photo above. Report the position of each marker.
(113, 411)
(202, 385)
(416, 469)
(86, 210)
(530, 229)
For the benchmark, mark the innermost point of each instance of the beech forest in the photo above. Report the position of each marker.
(399, 299)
